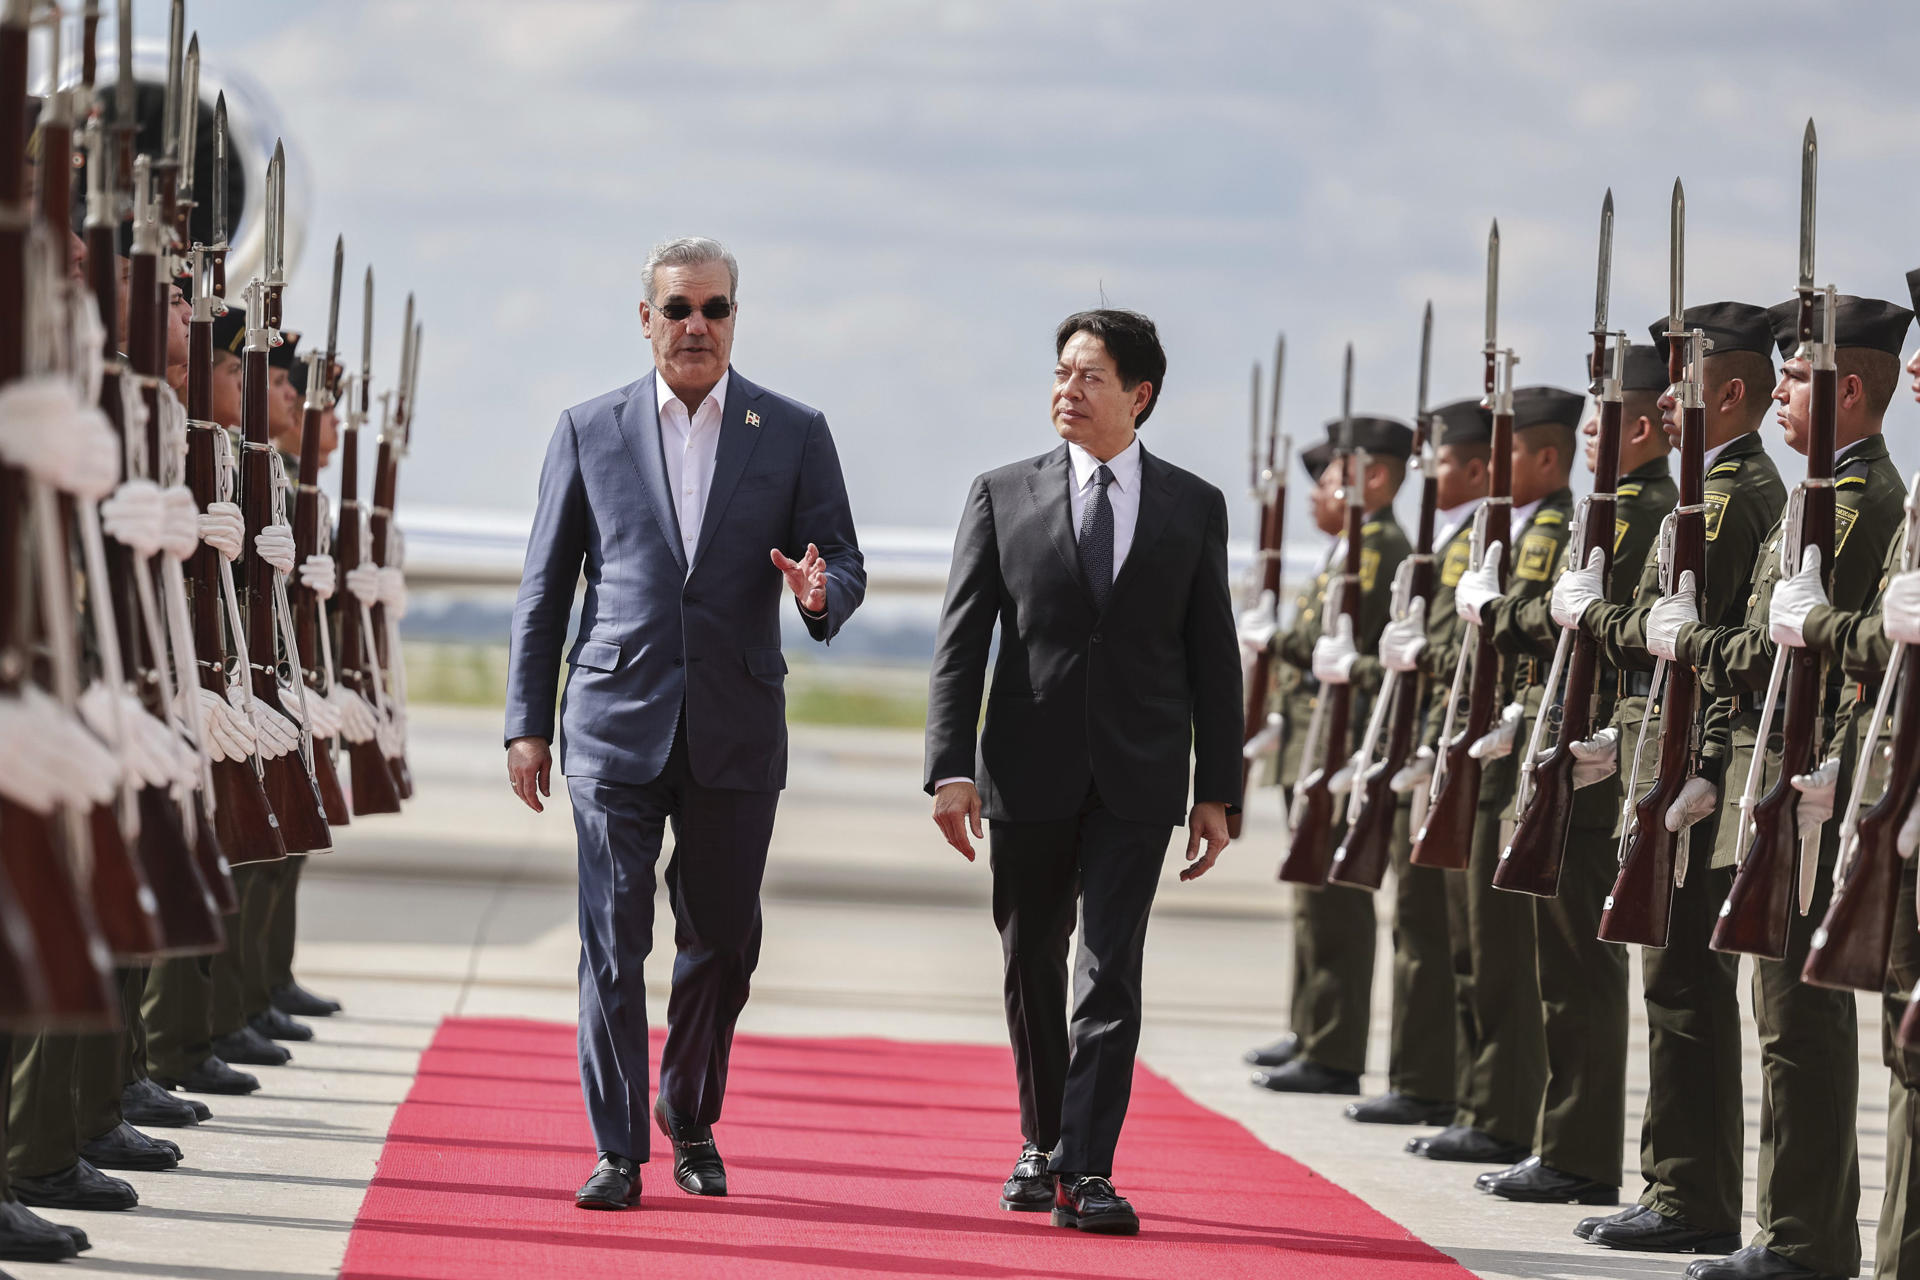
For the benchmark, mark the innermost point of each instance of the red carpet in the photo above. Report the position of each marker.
(868, 1157)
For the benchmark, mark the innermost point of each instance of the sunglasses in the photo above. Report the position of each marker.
(713, 309)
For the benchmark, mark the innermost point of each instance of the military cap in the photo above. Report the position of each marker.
(297, 375)
(1464, 422)
(1913, 286)
(1729, 326)
(1646, 368)
(1315, 459)
(281, 357)
(1857, 322)
(1381, 437)
(1546, 407)
(230, 330)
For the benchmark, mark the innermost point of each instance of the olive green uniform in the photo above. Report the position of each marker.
(1692, 1133)
(1334, 933)
(1809, 1187)
(1583, 981)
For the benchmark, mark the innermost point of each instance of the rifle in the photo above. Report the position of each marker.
(374, 787)
(1852, 945)
(1755, 916)
(1362, 858)
(1309, 848)
(1652, 858)
(394, 440)
(1445, 840)
(1268, 488)
(1531, 862)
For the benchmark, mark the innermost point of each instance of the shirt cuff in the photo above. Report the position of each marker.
(944, 781)
(810, 613)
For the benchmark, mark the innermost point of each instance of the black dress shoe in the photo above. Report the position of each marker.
(81, 1187)
(1471, 1146)
(1030, 1189)
(697, 1167)
(1400, 1108)
(1277, 1054)
(145, 1103)
(1091, 1204)
(213, 1076)
(1585, 1228)
(1755, 1262)
(125, 1147)
(25, 1236)
(275, 1025)
(614, 1184)
(302, 1003)
(249, 1048)
(1485, 1181)
(1418, 1146)
(1304, 1076)
(1537, 1183)
(1655, 1232)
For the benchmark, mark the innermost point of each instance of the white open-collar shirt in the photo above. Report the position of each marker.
(688, 445)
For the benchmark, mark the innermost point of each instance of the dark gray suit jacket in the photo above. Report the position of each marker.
(1124, 698)
(654, 637)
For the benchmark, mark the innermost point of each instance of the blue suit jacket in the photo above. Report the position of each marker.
(653, 636)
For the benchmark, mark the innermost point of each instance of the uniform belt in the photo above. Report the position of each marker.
(1636, 684)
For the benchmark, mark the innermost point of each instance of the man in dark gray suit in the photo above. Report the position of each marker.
(1118, 670)
(689, 499)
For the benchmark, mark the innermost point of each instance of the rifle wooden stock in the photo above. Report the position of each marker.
(25, 997)
(374, 788)
(72, 963)
(1758, 911)
(123, 901)
(386, 478)
(1273, 517)
(307, 612)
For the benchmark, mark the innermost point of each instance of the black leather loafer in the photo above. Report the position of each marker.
(1754, 1262)
(275, 1025)
(25, 1236)
(697, 1167)
(1655, 1232)
(125, 1147)
(213, 1076)
(80, 1187)
(1534, 1182)
(1585, 1228)
(1485, 1181)
(302, 1003)
(1277, 1054)
(1400, 1108)
(614, 1184)
(1470, 1146)
(250, 1049)
(1304, 1076)
(1091, 1204)
(1030, 1189)
(145, 1103)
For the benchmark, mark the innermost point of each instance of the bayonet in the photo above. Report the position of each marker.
(1493, 288)
(189, 127)
(1346, 404)
(170, 103)
(366, 336)
(1426, 360)
(1255, 483)
(1676, 260)
(1273, 409)
(413, 387)
(1603, 284)
(218, 179)
(1809, 167)
(276, 244)
(123, 90)
(333, 309)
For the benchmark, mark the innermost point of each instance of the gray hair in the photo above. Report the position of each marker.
(691, 251)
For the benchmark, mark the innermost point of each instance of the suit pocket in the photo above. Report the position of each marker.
(768, 664)
(598, 655)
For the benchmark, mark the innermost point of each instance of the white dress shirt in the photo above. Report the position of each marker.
(1123, 494)
(1451, 519)
(689, 445)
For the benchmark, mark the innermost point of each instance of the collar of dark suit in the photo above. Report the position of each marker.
(637, 415)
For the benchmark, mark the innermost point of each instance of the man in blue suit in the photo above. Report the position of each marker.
(689, 500)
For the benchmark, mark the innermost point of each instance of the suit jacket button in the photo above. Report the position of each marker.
(679, 662)
(1096, 637)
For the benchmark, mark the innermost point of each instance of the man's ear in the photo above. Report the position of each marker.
(1733, 394)
(1852, 391)
(1142, 395)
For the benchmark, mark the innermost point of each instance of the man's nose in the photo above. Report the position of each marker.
(697, 324)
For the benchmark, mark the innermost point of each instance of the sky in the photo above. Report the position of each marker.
(918, 192)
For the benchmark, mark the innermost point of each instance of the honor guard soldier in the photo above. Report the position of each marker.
(1334, 929)
(1583, 981)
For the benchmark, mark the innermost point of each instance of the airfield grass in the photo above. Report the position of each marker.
(475, 675)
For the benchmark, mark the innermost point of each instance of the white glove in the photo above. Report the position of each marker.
(1414, 773)
(1578, 590)
(1498, 741)
(1793, 599)
(1900, 608)
(322, 718)
(1668, 615)
(1698, 799)
(149, 750)
(225, 734)
(135, 516)
(393, 591)
(1259, 623)
(44, 755)
(318, 575)
(363, 583)
(274, 544)
(1342, 780)
(47, 432)
(275, 734)
(180, 522)
(224, 528)
(1480, 587)
(1261, 744)
(392, 733)
(1405, 639)
(358, 723)
(1595, 759)
(1816, 795)
(1333, 656)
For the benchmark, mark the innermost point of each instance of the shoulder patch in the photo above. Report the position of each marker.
(1458, 555)
(1724, 469)
(1633, 490)
(1620, 528)
(1535, 561)
(1844, 517)
(1369, 569)
(1716, 508)
(1847, 481)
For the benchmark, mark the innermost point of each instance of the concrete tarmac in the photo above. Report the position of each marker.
(464, 905)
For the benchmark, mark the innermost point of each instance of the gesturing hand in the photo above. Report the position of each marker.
(1207, 822)
(806, 578)
(956, 807)
(530, 770)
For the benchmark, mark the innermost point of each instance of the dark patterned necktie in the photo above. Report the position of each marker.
(1096, 538)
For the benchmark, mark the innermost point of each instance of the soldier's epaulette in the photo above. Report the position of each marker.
(1844, 481)
(1549, 516)
(1725, 469)
(1633, 490)
(1371, 527)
